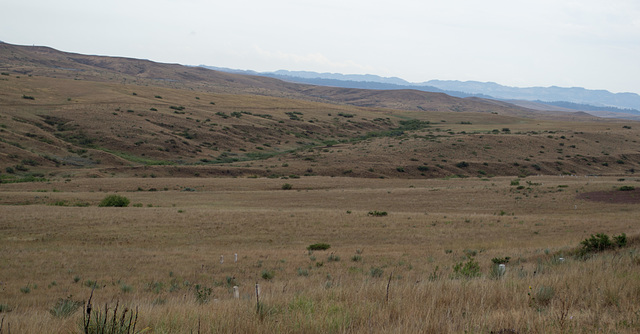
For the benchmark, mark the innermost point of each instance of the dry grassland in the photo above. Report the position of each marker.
(158, 254)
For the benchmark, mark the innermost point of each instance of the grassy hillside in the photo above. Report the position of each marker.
(64, 113)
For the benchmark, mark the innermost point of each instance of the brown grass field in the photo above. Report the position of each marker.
(416, 193)
(153, 257)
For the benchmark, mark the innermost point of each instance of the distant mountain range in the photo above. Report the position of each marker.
(574, 98)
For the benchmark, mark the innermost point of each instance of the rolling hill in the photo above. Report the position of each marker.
(596, 102)
(64, 114)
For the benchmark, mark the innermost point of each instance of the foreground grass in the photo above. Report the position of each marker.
(164, 259)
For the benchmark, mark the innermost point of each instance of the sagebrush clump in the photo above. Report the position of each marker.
(114, 201)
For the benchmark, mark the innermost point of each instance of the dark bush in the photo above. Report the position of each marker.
(318, 246)
(114, 200)
(377, 213)
(267, 274)
(501, 260)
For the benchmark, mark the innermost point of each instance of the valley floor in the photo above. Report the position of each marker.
(405, 256)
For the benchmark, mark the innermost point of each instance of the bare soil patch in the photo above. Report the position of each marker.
(613, 196)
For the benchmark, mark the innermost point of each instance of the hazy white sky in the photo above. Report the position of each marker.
(587, 43)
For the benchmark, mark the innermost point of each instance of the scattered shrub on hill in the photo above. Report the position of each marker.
(462, 164)
(287, 186)
(413, 124)
(627, 188)
(318, 246)
(27, 97)
(345, 115)
(114, 200)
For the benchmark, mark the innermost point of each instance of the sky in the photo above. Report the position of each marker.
(581, 43)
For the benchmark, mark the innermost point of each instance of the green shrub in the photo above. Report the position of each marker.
(470, 252)
(356, 258)
(287, 186)
(376, 272)
(333, 258)
(541, 297)
(5, 308)
(91, 284)
(462, 164)
(155, 287)
(627, 188)
(318, 246)
(203, 294)
(303, 272)
(267, 274)
(126, 288)
(620, 240)
(114, 201)
(470, 269)
(65, 307)
(601, 242)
